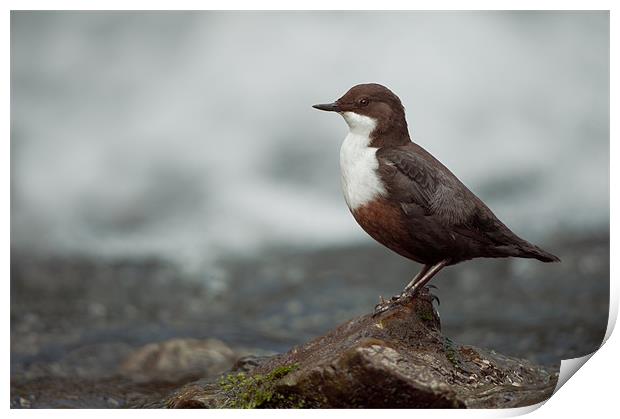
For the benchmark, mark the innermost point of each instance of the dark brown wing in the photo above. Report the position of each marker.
(417, 179)
(425, 187)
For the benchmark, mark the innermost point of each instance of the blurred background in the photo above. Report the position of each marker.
(169, 178)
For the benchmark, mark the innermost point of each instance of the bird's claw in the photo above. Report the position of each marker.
(384, 304)
(381, 307)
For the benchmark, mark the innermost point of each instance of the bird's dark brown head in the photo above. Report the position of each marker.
(372, 109)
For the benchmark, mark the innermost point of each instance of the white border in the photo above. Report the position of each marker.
(309, 5)
(592, 393)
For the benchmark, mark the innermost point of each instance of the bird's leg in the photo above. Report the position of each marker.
(426, 274)
(385, 304)
(420, 274)
(427, 277)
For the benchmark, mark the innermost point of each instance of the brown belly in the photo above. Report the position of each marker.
(385, 222)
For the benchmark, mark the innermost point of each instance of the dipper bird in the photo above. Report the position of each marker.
(405, 199)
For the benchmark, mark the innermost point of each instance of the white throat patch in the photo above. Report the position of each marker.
(358, 163)
(359, 124)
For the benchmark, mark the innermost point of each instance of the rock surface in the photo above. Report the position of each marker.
(397, 359)
(174, 359)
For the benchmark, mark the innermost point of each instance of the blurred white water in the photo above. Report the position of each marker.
(185, 135)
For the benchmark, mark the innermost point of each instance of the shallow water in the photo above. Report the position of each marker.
(76, 319)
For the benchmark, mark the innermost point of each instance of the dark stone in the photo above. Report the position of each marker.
(396, 359)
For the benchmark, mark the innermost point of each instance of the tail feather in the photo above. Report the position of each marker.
(536, 252)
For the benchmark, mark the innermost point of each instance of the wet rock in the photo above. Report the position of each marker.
(174, 359)
(397, 359)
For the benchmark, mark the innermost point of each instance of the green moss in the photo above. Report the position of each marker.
(425, 315)
(259, 390)
(451, 353)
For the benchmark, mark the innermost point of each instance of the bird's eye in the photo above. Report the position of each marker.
(364, 101)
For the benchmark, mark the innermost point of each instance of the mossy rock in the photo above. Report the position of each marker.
(249, 391)
(396, 359)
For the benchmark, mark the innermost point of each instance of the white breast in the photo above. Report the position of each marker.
(358, 163)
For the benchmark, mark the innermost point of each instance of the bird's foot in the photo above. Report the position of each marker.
(427, 291)
(385, 305)
(382, 306)
(402, 298)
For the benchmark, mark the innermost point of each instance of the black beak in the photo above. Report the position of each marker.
(330, 107)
